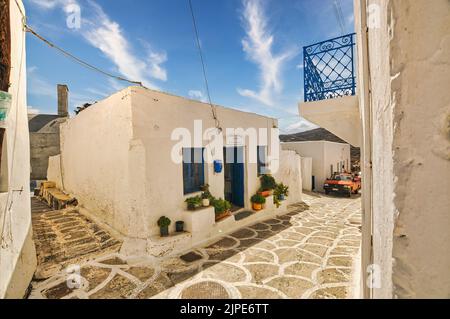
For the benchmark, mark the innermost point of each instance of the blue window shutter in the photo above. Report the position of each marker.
(193, 170)
(261, 160)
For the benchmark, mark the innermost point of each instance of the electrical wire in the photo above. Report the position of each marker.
(68, 54)
(78, 60)
(339, 15)
(202, 60)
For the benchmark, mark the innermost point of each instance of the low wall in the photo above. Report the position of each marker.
(42, 146)
(307, 173)
(290, 174)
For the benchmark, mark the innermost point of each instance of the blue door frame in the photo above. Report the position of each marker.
(234, 174)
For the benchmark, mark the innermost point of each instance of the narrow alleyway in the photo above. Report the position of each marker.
(311, 252)
(65, 237)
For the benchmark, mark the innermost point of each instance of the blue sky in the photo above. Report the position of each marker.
(252, 50)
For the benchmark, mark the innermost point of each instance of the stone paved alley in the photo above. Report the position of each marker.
(311, 252)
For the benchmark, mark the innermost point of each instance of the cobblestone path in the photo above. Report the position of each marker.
(310, 252)
(65, 237)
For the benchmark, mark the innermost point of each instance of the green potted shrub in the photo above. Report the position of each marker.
(206, 196)
(281, 191)
(164, 224)
(258, 201)
(221, 208)
(268, 184)
(194, 202)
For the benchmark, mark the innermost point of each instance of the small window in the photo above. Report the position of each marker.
(193, 170)
(3, 162)
(262, 158)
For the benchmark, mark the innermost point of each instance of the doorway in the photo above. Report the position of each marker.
(234, 176)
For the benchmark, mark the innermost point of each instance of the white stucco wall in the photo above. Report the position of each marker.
(290, 174)
(409, 112)
(339, 116)
(323, 154)
(307, 173)
(155, 116)
(96, 161)
(338, 155)
(54, 171)
(17, 252)
(116, 157)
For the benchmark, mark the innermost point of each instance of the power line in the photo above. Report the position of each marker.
(339, 15)
(78, 60)
(203, 66)
(69, 55)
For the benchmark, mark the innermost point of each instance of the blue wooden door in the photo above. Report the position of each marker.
(234, 175)
(238, 178)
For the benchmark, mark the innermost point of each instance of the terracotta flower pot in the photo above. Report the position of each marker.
(222, 216)
(257, 207)
(266, 193)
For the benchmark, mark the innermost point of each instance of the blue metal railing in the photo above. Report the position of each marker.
(329, 69)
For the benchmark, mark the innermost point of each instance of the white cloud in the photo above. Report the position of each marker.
(46, 4)
(42, 87)
(51, 4)
(97, 92)
(108, 36)
(32, 110)
(197, 95)
(39, 86)
(258, 46)
(300, 126)
(155, 60)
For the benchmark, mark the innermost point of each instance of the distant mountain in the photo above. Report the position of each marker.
(322, 134)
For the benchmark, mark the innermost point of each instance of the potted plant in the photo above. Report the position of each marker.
(179, 226)
(205, 200)
(164, 224)
(268, 184)
(206, 196)
(281, 191)
(222, 208)
(194, 202)
(258, 201)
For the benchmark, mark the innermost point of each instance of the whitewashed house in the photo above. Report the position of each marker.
(327, 158)
(386, 89)
(17, 251)
(128, 161)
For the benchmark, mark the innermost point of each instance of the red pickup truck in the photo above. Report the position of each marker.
(342, 183)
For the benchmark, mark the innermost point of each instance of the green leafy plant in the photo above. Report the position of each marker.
(268, 183)
(277, 201)
(206, 194)
(221, 206)
(194, 202)
(164, 222)
(258, 199)
(281, 191)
